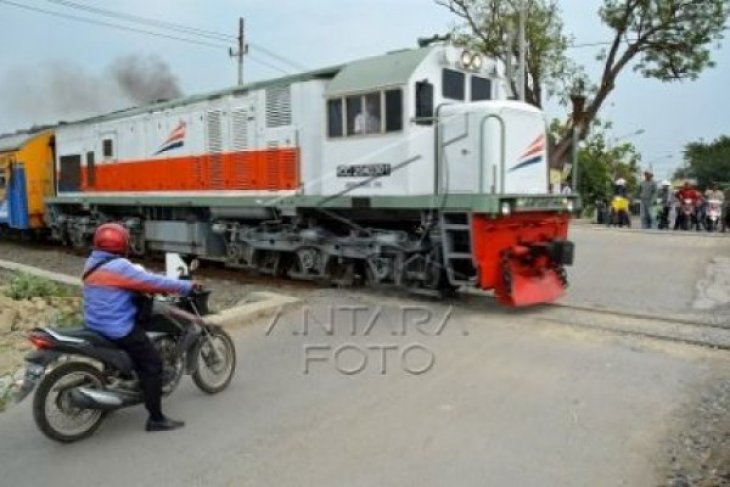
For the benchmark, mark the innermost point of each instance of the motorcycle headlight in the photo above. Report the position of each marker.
(570, 206)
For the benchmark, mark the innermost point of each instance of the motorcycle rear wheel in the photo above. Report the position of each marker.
(214, 371)
(51, 404)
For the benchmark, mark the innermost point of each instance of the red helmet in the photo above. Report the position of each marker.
(112, 238)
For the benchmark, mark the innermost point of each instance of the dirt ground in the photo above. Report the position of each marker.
(699, 455)
(19, 316)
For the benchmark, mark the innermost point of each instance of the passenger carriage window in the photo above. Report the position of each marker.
(108, 148)
(393, 110)
(335, 126)
(424, 103)
(453, 84)
(481, 88)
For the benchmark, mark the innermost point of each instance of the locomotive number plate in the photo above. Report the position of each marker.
(364, 171)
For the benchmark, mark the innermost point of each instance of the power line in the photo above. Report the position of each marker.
(146, 21)
(137, 31)
(277, 56)
(109, 24)
(607, 43)
(185, 29)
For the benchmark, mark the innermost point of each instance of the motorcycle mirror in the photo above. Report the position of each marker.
(194, 265)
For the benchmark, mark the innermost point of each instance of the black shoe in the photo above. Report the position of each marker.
(165, 424)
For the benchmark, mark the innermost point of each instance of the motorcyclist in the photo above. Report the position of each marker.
(619, 210)
(111, 283)
(686, 192)
(714, 193)
(665, 202)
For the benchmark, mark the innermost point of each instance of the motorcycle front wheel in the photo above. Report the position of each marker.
(53, 411)
(215, 361)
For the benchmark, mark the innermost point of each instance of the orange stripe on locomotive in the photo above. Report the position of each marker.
(271, 169)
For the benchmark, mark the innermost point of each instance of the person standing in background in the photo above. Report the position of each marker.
(647, 194)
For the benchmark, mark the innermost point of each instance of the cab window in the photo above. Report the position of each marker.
(454, 84)
(481, 88)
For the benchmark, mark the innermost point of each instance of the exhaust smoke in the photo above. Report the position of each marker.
(64, 91)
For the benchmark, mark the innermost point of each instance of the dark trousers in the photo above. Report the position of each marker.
(148, 364)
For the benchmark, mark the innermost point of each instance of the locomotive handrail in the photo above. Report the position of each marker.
(502, 153)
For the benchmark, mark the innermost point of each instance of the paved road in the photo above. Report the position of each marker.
(520, 400)
(643, 271)
(510, 400)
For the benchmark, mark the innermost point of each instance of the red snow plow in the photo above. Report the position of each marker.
(522, 256)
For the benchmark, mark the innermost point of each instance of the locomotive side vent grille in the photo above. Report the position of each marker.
(278, 106)
(240, 129)
(215, 131)
(215, 147)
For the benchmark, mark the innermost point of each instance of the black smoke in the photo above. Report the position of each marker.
(61, 91)
(145, 79)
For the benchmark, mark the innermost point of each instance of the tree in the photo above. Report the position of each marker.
(668, 40)
(600, 163)
(707, 162)
(490, 24)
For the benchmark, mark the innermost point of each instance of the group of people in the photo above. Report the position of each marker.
(692, 207)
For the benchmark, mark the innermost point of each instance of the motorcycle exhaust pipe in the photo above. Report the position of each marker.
(86, 398)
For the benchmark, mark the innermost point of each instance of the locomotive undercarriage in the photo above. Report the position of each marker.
(342, 248)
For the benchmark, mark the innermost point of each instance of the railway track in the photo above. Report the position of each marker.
(714, 334)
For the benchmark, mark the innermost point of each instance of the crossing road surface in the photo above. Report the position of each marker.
(650, 272)
(504, 397)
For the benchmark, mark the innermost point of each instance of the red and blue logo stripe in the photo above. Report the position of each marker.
(175, 140)
(533, 155)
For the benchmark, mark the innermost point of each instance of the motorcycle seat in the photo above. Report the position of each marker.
(83, 333)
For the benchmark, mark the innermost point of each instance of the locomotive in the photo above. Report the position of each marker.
(411, 169)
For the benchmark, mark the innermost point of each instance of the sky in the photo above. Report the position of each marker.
(318, 33)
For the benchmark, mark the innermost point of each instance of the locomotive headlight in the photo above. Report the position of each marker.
(466, 59)
(477, 62)
(506, 208)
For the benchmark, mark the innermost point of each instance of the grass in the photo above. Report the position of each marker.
(26, 286)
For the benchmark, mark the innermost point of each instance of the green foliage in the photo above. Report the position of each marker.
(68, 318)
(6, 397)
(488, 24)
(600, 163)
(668, 40)
(708, 162)
(26, 286)
(672, 38)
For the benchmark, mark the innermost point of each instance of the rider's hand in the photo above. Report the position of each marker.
(197, 285)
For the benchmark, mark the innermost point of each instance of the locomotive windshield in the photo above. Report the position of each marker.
(481, 88)
(453, 84)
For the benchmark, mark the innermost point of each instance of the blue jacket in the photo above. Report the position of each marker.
(109, 293)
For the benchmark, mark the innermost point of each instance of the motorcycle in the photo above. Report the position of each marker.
(619, 212)
(80, 376)
(713, 215)
(686, 214)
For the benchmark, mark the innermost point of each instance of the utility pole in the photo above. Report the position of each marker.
(242, 49)
(522, 76)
